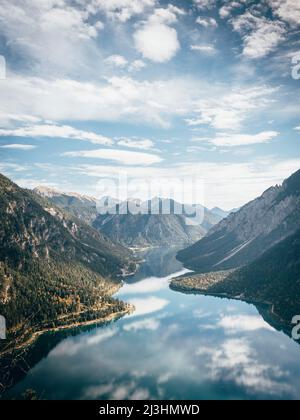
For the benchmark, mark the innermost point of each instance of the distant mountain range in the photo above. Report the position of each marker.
(55, 270)
(138, 230)
(220, 213)
(158, 229)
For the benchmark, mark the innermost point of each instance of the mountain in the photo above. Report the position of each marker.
(81, 206)
(273, 278)
(139, 230)
(106, 202)
(153, 227)
(245, 235)
(55, 270)
(220, 213)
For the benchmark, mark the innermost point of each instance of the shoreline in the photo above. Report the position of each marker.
(177, 285)
(35, 335)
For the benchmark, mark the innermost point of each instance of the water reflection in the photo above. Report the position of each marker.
(158, 262)
(174, 346)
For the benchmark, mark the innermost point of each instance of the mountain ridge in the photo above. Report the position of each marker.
(83, 207)
(152, 228)
(54, 269)
(178, 225)
(245, 235)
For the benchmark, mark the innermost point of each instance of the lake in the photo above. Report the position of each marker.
(174, 346)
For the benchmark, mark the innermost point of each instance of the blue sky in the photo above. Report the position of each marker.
(154, 89)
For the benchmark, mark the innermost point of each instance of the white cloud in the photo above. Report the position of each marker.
(156, 40)
(140, 395)
(228, 110)
(67, 132)
(148, 305)
(226, 10)
(237, 362)
(231, 140)
(18, 146)
(143, 144)
(137, 65)
(34, 30)
(227, 185)
(7, 120)
(121, 156)
(176, 10)
(121, 10)
(150, 324)
(71, 346)
(150, 285)
(205, 49)
(243, 323)
(116, 98)
(198, 149)
(207, 22)
(287, 10)
(121, 62)
(56, 131)
(205, 4)
(14, 168)
(260, 35)
(201, 314)
(116, 60)
(166, 16)
(95, 392)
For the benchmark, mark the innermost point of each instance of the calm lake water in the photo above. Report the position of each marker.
(174, 346)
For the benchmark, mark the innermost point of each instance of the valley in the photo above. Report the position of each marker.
(67, 286)
(149, 202)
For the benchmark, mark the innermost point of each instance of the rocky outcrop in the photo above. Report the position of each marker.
(81, 206)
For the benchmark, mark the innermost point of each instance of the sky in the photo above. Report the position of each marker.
(200, 94)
